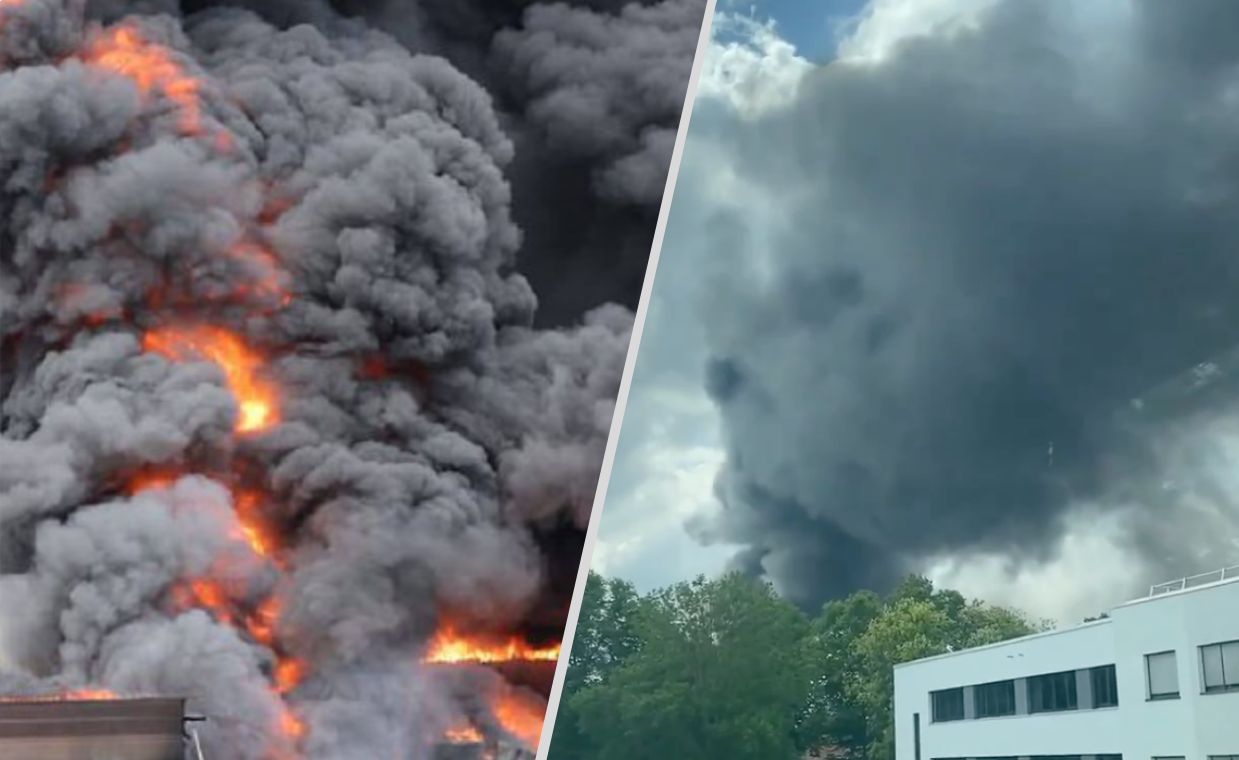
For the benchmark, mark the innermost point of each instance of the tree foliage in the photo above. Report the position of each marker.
(725, 668)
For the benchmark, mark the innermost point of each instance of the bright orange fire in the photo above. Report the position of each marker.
(254, 528)
(124, 50)
(449, 647)
(520, 717)
(204, 594)
(288, 673)
(241, 365)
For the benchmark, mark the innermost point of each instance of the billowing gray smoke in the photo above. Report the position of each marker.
(273, 411)
(590, 91)
(998, 240)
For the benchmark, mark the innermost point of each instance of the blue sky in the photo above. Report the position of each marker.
(809, 25)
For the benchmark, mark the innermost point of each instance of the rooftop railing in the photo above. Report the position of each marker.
(1192, 581)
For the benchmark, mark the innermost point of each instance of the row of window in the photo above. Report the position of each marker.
(1219, 669)
(1052, 692)
(1057, 692)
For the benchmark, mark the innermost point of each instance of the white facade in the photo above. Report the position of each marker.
(1198, 724)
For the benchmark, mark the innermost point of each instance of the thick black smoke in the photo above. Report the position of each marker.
(339, 205)
(999, 240)
(590, 91)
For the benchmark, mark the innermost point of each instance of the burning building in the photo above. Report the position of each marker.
(277, 430)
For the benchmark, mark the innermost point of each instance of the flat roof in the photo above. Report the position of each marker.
(1192, 584)
(1006, 642)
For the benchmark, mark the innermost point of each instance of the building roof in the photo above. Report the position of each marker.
(1191, 584)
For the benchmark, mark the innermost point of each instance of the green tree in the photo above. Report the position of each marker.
(830, 714)
(605, 637)
(722, 672)
(915, 621)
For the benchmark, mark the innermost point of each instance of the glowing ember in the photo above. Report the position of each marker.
(520, 717)
(263, 265)
(257, 400)
(124, 51)
(149, 481)
(86, 695)
(450, 647)
(76, 695)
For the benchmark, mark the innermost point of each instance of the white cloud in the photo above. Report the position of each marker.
(748, 65)
(1091, 565)
(883, 24)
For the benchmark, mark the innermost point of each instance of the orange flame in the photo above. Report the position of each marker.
(84, 694)
(520, 717)
(255, 529)
(288, 674)
(451, 647)
(125, 51)
(241, 365)
(90, 694)
(204, 594)
(149, 480)
(465, 733)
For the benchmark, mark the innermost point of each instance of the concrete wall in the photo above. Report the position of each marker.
(1194, 726)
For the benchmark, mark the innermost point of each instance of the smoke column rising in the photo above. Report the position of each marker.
(1006, 247)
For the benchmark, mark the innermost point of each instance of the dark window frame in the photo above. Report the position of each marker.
(1036, 686)
(984, 699)
(939, 715)
(1107, 676)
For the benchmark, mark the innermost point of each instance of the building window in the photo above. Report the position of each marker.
(916, 734)
(948, 705)
(1053, 692)
(1105, 686)
(995, 699)
(1221, 666)
(1163, 674)
(1223, 757)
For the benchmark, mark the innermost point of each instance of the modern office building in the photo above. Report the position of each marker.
(1158, 679)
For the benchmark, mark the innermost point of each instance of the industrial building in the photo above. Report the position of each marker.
(1158, 678)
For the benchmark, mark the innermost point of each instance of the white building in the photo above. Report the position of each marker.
(1156, 680)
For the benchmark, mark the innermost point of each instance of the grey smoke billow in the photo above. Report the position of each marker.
(590, 91)
(341, 204)
(998, 239)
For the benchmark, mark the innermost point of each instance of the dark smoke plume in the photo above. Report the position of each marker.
(1008, 238)
(274, 410)
(590, 91)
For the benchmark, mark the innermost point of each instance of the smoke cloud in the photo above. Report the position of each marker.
(1004, 297)
(276, 406)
